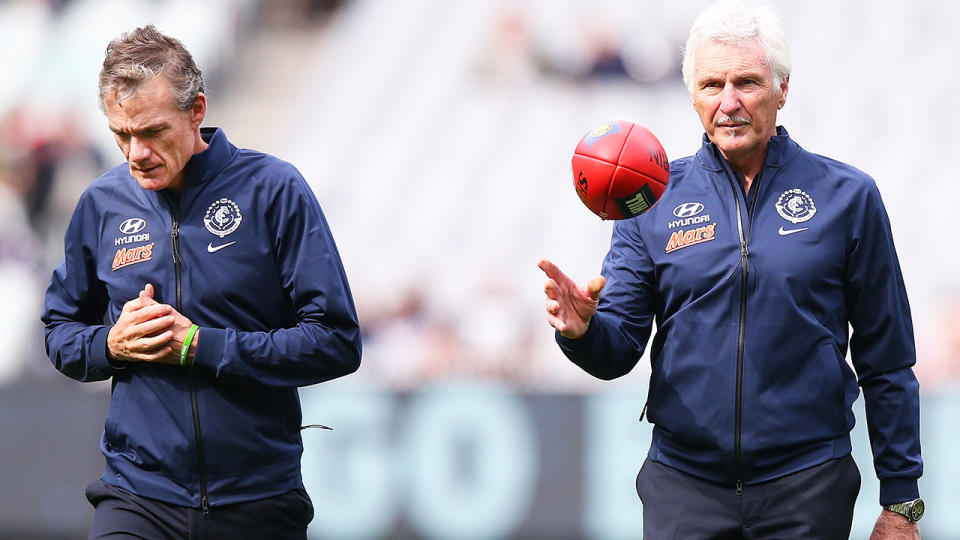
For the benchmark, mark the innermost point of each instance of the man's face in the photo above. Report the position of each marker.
(736, 97)
(155, 136)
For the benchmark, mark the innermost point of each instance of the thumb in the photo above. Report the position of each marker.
(146, 295)
(595, 286)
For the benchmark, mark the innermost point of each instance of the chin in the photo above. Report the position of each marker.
(152, 184)
(733, 144)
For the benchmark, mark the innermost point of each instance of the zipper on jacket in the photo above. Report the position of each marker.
(742, 326)
(175, 238)
(741, 337)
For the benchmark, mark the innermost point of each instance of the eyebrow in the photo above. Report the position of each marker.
(714, 76)
(149, 127)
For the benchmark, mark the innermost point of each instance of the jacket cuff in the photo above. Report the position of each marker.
(209, 347)
(583, 342)
(99, 358)
(898, 490)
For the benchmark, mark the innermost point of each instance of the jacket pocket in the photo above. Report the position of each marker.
(840, 378)
(691, 394)
(111, 426)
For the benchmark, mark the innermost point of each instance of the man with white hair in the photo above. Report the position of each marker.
(750, 394)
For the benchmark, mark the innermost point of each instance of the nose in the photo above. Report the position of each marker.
(139, 150)
(729, 99)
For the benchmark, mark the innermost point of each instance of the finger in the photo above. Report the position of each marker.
(147, 295)
(552, 270)
(146, 313)
(147, 349)
(553, 307)
(552, 289)
(564, 282)
(153, 326)
(596, 286)
(150, 299)
(154, 344)
(136, 303)
(130, 305)
(157, 310)
(556, 322)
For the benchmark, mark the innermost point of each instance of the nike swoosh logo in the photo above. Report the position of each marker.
(784, 232)
(213, 249)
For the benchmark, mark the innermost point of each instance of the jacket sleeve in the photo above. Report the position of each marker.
(75, 304)
(619, 330)
(325, 342)
(882, 349)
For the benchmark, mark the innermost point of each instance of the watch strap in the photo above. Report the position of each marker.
(908, 509)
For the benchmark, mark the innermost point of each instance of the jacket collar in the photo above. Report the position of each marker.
(780, 150)
(207, 164)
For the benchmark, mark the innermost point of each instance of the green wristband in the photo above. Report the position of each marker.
(185, 348)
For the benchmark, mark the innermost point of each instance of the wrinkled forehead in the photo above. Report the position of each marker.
(123, 89)
(724, 58)
(149, 105)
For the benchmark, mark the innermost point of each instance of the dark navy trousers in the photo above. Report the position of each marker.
(815, 503)
(120, 514)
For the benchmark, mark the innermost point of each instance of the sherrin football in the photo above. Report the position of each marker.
(620, 170)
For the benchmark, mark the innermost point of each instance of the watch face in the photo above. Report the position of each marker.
(916, 512)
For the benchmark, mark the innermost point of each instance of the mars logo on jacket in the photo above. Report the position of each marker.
(684, 238)
(128, 256)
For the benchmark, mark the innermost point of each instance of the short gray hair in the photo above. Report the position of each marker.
(144, 53)
(732, 22)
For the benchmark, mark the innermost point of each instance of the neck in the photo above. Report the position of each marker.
(748, 167)
(199, 146)
(176, 185)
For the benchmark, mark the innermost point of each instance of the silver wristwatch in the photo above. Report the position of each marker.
(912, 510)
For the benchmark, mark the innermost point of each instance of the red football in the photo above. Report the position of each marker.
(620, 170)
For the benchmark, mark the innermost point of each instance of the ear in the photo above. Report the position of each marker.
(784, 86)
(199, 110)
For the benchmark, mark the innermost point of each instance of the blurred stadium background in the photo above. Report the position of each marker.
(437, 135)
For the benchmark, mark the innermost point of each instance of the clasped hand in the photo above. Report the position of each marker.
(148, 331)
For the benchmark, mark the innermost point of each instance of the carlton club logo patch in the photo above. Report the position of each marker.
(795, 206)
(223, 217)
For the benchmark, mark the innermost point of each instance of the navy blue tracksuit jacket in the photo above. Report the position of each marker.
(752, 295)
(245, 253)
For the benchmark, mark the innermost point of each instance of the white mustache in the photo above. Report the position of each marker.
(724, 119)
